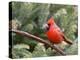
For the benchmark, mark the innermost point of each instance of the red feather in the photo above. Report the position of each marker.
(54, 33)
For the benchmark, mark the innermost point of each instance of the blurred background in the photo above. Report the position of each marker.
(30, 17)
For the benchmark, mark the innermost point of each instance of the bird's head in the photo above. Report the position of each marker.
(47, 25)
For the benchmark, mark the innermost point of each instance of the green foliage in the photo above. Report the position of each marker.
(50, 52)
(39, 51)
(32, 16)
(67, 21)
(72, 49)
(20, 51)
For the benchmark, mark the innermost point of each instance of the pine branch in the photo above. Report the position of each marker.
(39, 40)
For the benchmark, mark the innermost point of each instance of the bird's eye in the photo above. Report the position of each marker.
(49, 24)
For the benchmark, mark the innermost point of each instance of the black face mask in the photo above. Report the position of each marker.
(48, 27)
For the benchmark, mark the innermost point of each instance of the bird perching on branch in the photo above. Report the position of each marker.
(54, 33)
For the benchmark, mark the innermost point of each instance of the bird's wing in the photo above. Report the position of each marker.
(62, 34)
(57, 28)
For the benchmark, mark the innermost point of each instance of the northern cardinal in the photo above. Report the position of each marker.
(54, 33)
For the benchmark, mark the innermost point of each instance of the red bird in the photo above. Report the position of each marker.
(54, 33)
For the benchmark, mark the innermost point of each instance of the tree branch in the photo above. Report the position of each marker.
(39, 40)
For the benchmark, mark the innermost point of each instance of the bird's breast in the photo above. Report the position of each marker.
(54, 35)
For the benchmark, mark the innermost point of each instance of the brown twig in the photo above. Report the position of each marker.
(39, 40)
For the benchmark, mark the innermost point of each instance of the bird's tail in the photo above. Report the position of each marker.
(67, 40)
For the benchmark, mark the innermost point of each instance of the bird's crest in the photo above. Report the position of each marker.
(51, 20)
